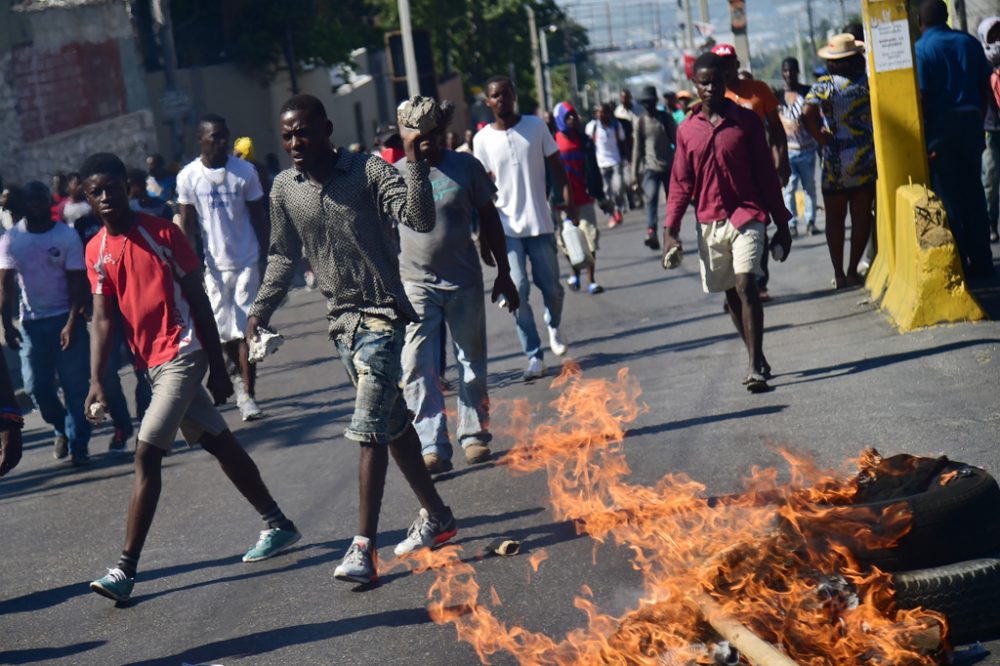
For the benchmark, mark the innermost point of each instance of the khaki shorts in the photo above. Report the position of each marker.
(726, 252)
(180, 402)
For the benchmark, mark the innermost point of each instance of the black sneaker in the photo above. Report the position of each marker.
(652, 242)
(79, 460)
(118, 441)
(60, 447)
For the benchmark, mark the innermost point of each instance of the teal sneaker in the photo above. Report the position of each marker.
(271, 542)
(116, 585)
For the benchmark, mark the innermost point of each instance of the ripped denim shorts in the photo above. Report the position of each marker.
(372, 359)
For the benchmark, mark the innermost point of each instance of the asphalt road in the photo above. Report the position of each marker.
(845, 380)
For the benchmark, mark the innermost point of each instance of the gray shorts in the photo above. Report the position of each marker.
(180, 402)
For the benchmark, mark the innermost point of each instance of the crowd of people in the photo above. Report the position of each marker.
(167, 269)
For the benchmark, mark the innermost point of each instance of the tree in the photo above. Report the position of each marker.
(480, 38)
(265, 36)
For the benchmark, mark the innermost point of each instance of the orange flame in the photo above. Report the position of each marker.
(536, 558)
(764, 556)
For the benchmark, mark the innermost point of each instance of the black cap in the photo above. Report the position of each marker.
(648, 94)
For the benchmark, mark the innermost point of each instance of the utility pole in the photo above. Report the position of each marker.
(546, 74)
(607, 18)
(174, 104)
(536, 61)
(703, 11)
(688, 35)
(799, 51)
(574, 83)
(812, 32)
(409, 55)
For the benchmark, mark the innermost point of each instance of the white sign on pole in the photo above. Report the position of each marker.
(890, 44)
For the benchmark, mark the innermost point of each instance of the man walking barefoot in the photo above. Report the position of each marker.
(724, 164)
(144, 273)
(337, 209)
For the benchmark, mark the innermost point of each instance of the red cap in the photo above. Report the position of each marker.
(724, 50)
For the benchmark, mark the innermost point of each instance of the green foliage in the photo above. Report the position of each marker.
(321, 32)
(480, 38)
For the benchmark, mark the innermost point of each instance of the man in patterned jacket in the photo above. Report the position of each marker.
(337, 209)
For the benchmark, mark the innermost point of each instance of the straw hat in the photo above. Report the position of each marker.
(841, 46)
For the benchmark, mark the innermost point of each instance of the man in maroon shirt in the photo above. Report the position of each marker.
(723, 163)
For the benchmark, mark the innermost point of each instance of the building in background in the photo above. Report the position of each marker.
(71, 84)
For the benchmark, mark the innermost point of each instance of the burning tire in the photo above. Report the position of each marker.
(967, 593)
(956, 518)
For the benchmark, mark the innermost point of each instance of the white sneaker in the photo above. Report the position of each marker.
(556, 342)
(310, 279)
(535, 369)
(249, 409)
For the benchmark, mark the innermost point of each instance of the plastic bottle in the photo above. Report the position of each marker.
(576, 244)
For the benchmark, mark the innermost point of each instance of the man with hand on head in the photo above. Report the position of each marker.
(724, 165)
(443, 280)
(337, 209)
(144, 274)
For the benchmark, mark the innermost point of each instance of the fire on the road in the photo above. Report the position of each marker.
(783, 568)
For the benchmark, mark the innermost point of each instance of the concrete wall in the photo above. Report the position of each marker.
(38, 101)
(243, 100)
(250, 105)
(131, 137)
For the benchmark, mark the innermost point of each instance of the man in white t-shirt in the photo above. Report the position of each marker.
(47, 259)
(608, 135)
(76, 205)
(222, 204)
(515, 149)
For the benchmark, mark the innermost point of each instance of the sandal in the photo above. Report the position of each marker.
(765, 372)
(756, 383)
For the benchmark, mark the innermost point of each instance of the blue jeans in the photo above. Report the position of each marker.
(372, 359)
(465, 314)
(991, 177)
(614, 185)
(42, 360)
(651, 183)
(541, 250)
(803, 165)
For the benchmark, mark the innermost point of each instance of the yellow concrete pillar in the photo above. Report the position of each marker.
(926, 287)
(899, 134)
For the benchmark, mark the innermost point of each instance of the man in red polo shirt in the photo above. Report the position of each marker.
(143, 268)
(722, 162)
